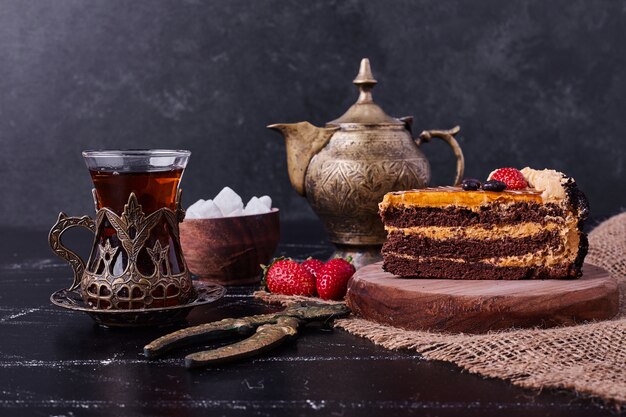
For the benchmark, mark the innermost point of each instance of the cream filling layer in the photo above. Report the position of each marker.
(529, 259)
(519, 230)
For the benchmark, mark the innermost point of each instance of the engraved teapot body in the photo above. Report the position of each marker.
(346, 168)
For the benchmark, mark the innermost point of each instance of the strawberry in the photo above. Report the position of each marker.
(286, 276)
(312, 265)
(512, 177)
(332, 278)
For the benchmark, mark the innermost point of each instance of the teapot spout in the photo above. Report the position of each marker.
(303, 141)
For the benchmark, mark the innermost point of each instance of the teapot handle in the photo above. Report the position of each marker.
(63, 223)
(448, 137)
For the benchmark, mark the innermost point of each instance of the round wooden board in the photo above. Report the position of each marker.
(479, 306)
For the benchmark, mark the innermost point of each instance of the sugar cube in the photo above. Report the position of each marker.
(228, 201)
(192, 210)
(255, 206)
(208, 210)
(236, 212)
(267, 201)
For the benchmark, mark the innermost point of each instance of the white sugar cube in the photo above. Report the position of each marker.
(267, 201)
(251, 201)
(190, 214)
(255, 206)
(228, 201)
(195, 205)
(208, 210)
(192, 210)
(236, 212)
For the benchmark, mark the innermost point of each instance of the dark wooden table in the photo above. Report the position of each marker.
(57, 363)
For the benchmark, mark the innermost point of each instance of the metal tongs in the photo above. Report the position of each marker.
(267, 330)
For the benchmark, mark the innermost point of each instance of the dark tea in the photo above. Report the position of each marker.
(154, 190)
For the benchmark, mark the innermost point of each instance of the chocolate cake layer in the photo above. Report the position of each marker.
(411, 216)
(441, 269)
(471, 249)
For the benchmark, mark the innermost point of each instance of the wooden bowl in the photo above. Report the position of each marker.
(229, 250)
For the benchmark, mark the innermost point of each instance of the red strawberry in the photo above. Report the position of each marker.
(286, 276)
(332, 279)
(313, 265)
(512, 177)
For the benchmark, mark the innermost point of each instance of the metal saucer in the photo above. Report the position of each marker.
(205, 293)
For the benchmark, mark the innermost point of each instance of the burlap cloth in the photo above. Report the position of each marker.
(588, 358)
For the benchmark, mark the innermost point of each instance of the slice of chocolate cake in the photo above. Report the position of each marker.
(450, 233)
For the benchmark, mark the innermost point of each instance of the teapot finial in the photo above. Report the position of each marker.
(365, 81)
(365, 111)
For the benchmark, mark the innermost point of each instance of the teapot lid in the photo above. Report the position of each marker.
(365, 111)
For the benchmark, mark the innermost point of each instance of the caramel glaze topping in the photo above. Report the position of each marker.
(455, 196)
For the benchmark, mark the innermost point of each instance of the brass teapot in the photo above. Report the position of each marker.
(345, 168)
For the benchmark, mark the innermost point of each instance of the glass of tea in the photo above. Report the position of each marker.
(136, 260)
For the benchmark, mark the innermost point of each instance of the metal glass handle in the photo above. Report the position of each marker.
(63, 223)
(448, 137)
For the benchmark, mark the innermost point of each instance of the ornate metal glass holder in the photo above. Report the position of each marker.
(130, 267)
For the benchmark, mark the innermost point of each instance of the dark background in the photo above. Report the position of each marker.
(530, 82)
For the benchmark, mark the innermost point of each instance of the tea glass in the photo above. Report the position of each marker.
(136, 260)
